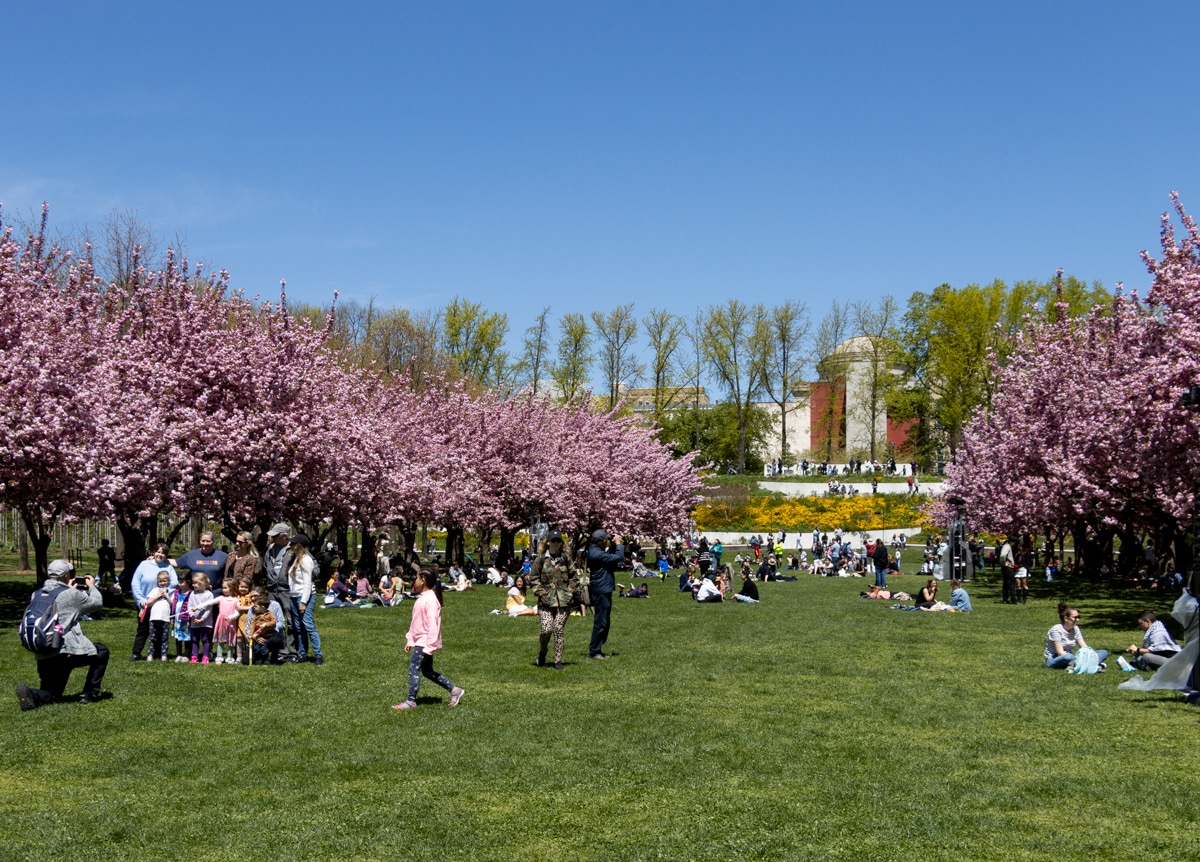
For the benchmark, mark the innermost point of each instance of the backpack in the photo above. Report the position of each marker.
(1086, 661)
(40, 628)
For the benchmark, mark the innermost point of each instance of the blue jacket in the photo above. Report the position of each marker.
(602, 567)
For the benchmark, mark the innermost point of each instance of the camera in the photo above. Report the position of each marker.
(81, 582)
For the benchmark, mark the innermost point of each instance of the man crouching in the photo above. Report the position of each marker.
(74, 597)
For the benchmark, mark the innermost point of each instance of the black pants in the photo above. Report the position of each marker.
(268, 652)
(143, 633)
(1008, 589)
(53, 673)
(602, 610)
(281, 595)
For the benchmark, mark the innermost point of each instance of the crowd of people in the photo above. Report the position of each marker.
(247, 607)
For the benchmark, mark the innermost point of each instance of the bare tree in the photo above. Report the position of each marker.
(831, 364)
(570, 371)
(867, 402)
(532, 366)
(786, 328)
(126, 242)
(616, 333)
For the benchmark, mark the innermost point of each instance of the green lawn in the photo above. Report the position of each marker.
(813, 726)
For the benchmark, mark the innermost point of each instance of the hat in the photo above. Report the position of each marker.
(600, 536)
(555, 536)
(58, 568)
(300, 539)
(279, 530)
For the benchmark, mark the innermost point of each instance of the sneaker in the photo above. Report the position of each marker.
(408, 704)
(558, 665)
(135, 658)
(193, 660)
(164, 658)
(318, 659)
(89, 698)
(204, 660)
(1103, 667)
(456, 695)
(598, 657)
(25, 697)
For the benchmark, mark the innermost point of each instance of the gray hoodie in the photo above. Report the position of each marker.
(71, 604)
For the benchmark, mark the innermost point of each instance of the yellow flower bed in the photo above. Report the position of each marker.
(871, 512)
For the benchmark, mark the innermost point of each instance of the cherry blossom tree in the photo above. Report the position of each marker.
(1087, 435)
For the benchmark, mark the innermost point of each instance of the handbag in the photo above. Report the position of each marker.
(584, 594)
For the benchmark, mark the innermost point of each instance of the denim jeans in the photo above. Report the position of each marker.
(306, 628)
(602, 611)
(1061, 661)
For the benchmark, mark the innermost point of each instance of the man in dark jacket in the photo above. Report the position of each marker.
(602, 567)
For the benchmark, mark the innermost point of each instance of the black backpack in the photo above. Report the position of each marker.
(40, 628)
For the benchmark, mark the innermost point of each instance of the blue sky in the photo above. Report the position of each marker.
(586, 155)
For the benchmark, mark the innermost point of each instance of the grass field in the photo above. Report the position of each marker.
(813, 726)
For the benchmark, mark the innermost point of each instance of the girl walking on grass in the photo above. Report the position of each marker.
(424, 638)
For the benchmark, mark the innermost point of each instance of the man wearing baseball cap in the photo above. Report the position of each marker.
(276, 562)
(602, 567)
(75, 596)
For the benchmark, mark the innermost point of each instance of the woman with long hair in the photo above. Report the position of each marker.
(300, 589)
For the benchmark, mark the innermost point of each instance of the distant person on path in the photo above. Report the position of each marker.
(602, 567)
(54, 667)
(108, 562)
(424, 638)
(1065, 638)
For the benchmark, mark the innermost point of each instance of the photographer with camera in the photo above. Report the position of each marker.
(73, 596)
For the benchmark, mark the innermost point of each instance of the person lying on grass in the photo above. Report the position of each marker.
(642, 592)
(875, 592)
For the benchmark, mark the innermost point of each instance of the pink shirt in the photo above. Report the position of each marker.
(425, 630)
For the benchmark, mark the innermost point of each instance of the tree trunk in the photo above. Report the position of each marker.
(506, 553)
(22, 545)
(41, 547)
(455, 546)
(134, 543)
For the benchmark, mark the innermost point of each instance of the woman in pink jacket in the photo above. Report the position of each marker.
(424, 638)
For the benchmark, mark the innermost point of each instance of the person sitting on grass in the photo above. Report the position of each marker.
(767, 571)
(687, 577)
(927, 598)
(515, 605)
(959, 600)
(749, 590)
(639, 568)
(708, 591)
(1157, 648)
(822, 567)
(1064, 639)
